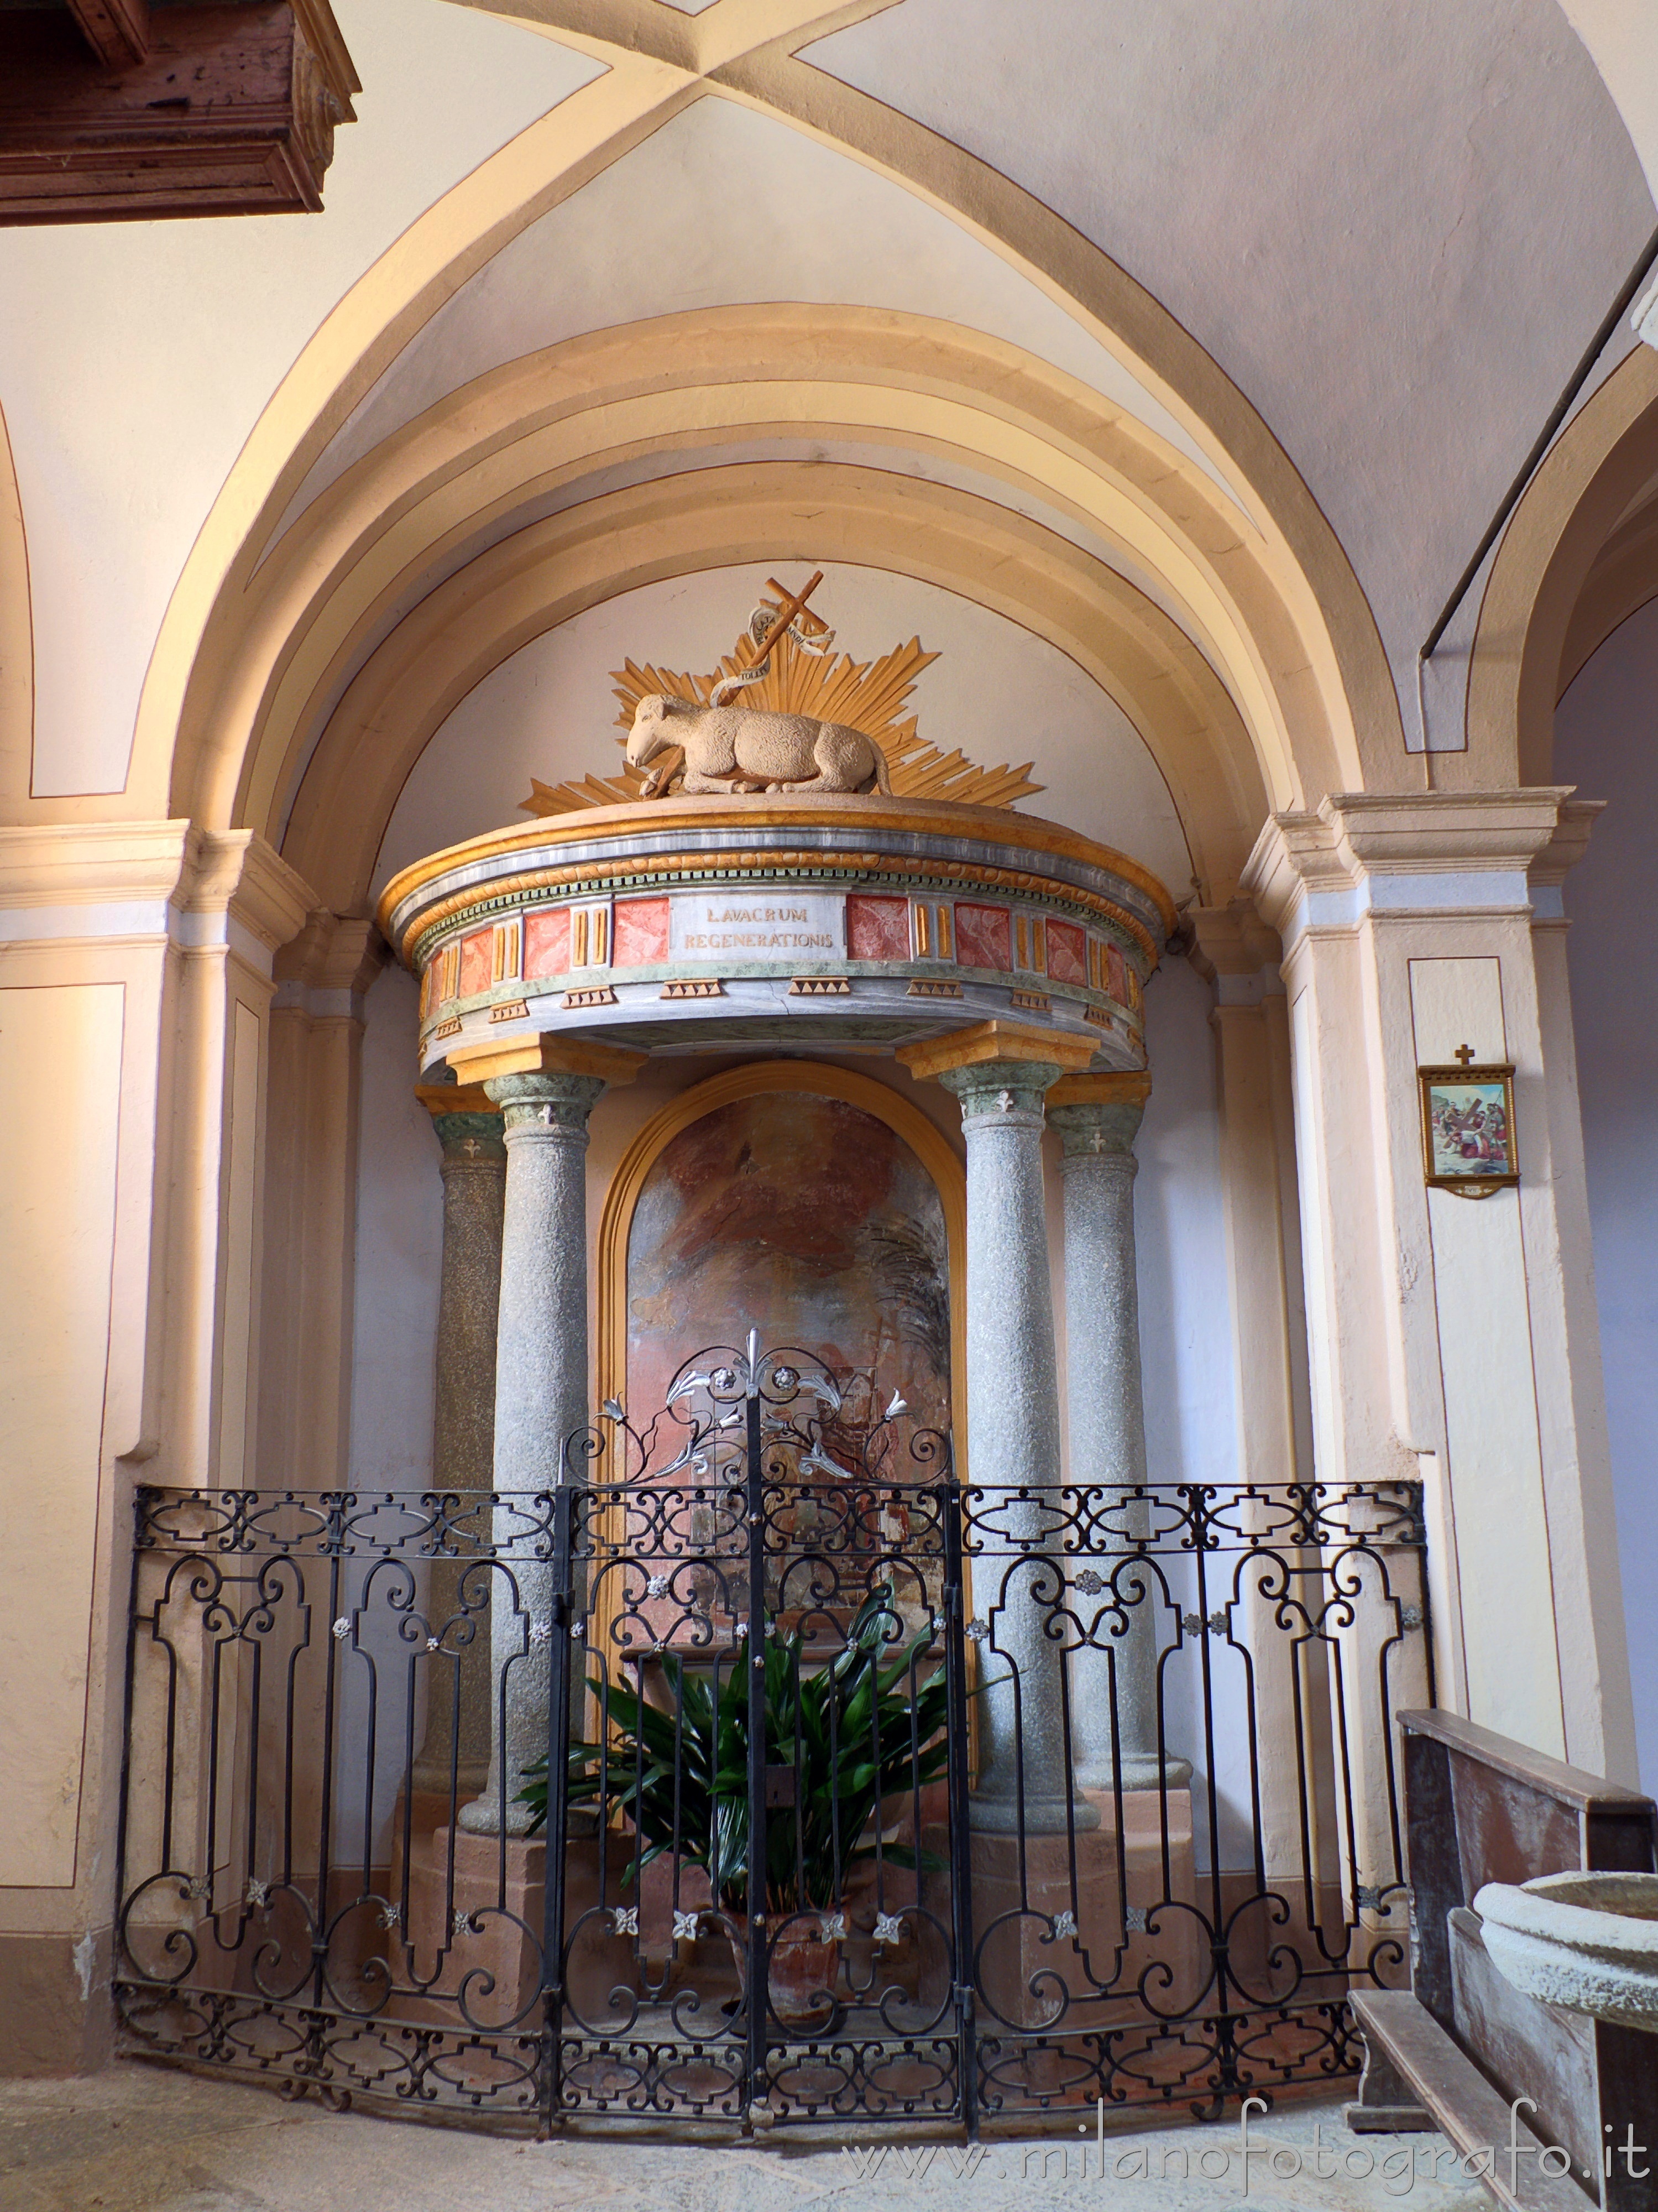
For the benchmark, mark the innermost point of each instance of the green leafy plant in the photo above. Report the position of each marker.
(856, 1733)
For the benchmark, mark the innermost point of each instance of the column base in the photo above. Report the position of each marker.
(1141, 1769)
(1037, 1816)
(430, 1784)
(1037, 1938)
(505, 1943)
(483, 1817)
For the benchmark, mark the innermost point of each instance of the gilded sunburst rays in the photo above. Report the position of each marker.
(870, 696)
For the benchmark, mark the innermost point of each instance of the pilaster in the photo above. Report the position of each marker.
(138, 962)
(454, 1755)
(1115, 1729)
(1240, 957)
(1451, 1338)
(313, 1093)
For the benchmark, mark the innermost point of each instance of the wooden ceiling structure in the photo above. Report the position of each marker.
(114, 109)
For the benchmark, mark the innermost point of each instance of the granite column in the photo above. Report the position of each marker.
(541, 1388)
(1116, 1699)
(454, 1754)
(1013, 1428)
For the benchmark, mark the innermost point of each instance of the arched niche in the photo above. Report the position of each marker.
(723, 1098)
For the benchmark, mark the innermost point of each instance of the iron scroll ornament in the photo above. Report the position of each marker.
(290, 1913)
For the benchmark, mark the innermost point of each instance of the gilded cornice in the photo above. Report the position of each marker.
(916, 817)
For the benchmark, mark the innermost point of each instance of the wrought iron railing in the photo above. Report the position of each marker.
(825, 1787)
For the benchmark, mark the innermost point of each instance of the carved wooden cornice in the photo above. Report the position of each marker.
(227, 110)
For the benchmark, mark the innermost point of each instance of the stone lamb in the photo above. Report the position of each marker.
(737, 749)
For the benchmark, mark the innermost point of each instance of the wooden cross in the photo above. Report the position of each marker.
(671, 760)
(793, 603)
(1463, 1054)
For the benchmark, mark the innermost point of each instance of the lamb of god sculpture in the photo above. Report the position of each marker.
(782, 713)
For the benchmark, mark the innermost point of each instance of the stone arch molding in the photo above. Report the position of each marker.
(720, 517)
(1541, 616)
(414, 537)
(1298, 650)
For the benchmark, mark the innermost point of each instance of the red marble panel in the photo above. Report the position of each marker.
(476, 962)
(547, 942)
(1117, 975)
(878, 929)
(641, 932)
(984, 936)
(1067, 953)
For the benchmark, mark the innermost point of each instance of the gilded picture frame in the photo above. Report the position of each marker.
(1468, 1144)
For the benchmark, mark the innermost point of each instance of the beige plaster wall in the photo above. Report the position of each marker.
(57, 1231)
(705, 213)
(1478, 204)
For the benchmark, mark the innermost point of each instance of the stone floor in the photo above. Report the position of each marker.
(140, 2139)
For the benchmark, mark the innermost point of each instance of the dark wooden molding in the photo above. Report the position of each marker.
(118, 30)
(231, 110)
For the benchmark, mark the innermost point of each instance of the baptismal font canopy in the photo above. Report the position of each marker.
(784, 868)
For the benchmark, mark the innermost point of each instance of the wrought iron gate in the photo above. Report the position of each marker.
(784, 1716)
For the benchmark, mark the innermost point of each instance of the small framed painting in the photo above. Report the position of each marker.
(1467, 1129)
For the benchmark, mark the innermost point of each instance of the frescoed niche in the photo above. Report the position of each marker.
(808, 1219)
(813, 1222)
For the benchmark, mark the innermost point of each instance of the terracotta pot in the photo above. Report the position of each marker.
(802, 1974)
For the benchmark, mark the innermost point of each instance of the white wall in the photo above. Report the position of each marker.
(707, 212)
(1394, 223)
(1606, 742)
(1187, 1361)
(1179, 1228)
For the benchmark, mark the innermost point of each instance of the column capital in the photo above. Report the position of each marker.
(1367, 853)
(445, 1098)
(553, 1101)
(466, 1120)
(1235, 952)
(547, 1054)
(1005, 1043)
(235, 874)
(1098, 1115)
(327, 968)
(1009, 1092)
